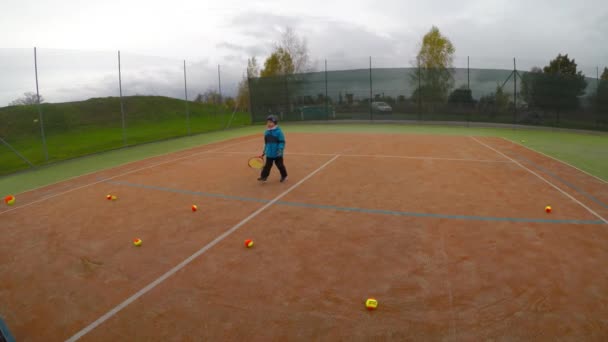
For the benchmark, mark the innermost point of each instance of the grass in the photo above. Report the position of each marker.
(76, 129)
(585, 151)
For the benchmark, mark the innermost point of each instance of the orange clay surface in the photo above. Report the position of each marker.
(448, 235)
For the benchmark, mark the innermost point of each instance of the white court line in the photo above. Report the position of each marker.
(543, 179)
(122, 174)
(119, 165)
(184, 263)
(380, 156)
(561, 161)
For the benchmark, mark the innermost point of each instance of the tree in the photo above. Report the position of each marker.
(557, 88)
(211, 96)
(433, 78)
(297, 48)
(28, 98)
(279, 63)
(601, 97)
(495, 103)
(242, 97)
(253, 69)
(461, 96)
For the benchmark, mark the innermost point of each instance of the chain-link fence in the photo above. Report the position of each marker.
(467, 94)
(97, 101)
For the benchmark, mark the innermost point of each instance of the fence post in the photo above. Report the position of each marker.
(186, 98)
(221, 104)
(597, 97)
(122, 109)
(286, 96)
(371, 114)
(469, 89)
(40, 118)
(326, 94)
(250, 98)
(514, 93)
(419, 93)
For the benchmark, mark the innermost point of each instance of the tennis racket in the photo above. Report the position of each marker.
(256, 162)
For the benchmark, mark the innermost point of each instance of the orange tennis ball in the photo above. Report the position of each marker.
(194, 208)
(248, 243)
(371, 304)
(137, 242)
(9, 200)
(108, 197)
(548, 209)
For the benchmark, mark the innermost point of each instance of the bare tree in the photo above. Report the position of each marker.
(211, 96)
(297, 48)
(253, 69)
(28, 98)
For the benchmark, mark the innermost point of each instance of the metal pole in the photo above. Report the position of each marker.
(597, 80)
(326, 94)
(286, 97)
(219, 83)
(371, 114)
(469, 89)
(514, 92)
(40, 119)
(468, 75)
(419, 93)
(122, 108)
(597, 94)
(250, 99)
(186, 97)
(16, 152)
(219, 87)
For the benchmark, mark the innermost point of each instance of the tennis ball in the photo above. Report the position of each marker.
(523, 141)
(548, 209)
(9, 200)
(248, 243)
(194, 208)
(137, 242)
(371, 304)
(114, 198)
(108, 197)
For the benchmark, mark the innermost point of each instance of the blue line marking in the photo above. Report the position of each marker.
(461, 217)
(359, 210)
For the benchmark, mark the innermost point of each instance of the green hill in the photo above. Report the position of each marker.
(75, 129)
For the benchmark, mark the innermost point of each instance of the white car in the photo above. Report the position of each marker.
(381, 108)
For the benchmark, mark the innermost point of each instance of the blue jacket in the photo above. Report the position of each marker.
(275, 142)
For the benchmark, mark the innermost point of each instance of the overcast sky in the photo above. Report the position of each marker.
(207, 33)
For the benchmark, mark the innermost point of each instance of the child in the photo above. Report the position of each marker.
(274, 141)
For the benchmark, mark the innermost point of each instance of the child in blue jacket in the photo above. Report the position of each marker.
(274, 141)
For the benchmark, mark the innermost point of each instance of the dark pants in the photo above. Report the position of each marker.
(279, 162)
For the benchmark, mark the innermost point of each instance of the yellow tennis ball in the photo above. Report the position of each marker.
(9, 200)
(371, 304)
(137, 242)
(114, 198)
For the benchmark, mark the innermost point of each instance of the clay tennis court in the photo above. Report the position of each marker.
(448, 233)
